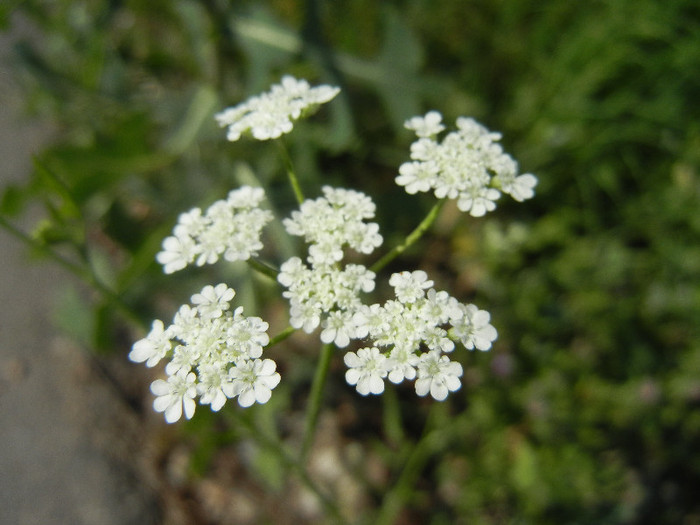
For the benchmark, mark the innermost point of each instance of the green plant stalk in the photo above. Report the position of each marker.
(284, 334)
(276, 447)
(73, 268)
(391, 417)
(314, 403)
(263, 268)
(394, 500)
(291, 174)
(412, 237)
(85, 274)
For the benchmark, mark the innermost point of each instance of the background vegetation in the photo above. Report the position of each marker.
(587, 409)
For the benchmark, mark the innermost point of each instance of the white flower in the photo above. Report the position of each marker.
(185, 321)
(477, 201)
(521, 188)
(410, 286)
(211, 302)
(412, 332)
(437, 375)
(468, 165)
(153, 347)
(177, 253)
(338, 329)
(213, 380)
(357, 277)
(427, 126)
(215, 354)
(230, 228)
(246, 197)
(370, 320)
(248, 336)
(325, 252)
(172, 395)
(435, 338)
(293, 271)
(417, 176)
(324, 292)
(366, 370)
(402, 364)
(253, 381)
(332, 221)
(474, 329)
(271, 114)
(441, 307)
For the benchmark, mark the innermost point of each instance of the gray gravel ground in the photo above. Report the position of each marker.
(69, 447)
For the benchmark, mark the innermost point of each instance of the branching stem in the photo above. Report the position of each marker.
(412, 237)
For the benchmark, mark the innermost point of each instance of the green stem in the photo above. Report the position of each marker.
(416, 234)
(84, 273)
(263, 268)
(314, 403)
(393, 426)
(293, 180)
(284, 334)
(401, 491)
(73, 268)
(276, 447)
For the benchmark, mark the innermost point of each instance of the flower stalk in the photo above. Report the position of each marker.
(412, 237)
(291, 173)
(316, 399)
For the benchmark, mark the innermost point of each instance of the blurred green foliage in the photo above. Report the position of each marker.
(588, 408)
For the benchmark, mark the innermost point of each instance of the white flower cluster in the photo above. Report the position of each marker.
(323, 293)
(214, 353)
(271, 114)
(230, 227)
(419, 317)
(468, 165)
(334, 220)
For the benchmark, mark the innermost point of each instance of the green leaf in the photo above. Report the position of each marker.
(47, 184)
(123, 150)
(73, 315)
(104, 329)
(51, 233)
(400, 62)
(142, 258)
(270, 468)
(524, 471)
(12, 201)
(268, 45)
(204, 101)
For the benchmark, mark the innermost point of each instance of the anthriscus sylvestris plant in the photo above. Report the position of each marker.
(215, 353)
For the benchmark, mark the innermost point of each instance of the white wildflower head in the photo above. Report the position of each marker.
(213, 352)
(173, 395)
(413, 332)
(366, 370)
(468, 165)
(410, 286)
(473, 329)
(153, 347)
(427, 126)
(230, 228)
(253, 381)
(321, 292)
(325, 295)
(333, 221)
(272, 114)
(438, 376)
